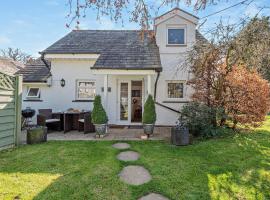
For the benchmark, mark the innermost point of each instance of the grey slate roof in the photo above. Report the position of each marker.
(35, 71)
(118, 49)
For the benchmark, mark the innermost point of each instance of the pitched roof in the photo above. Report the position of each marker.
(35, 71)
(118, 49)
(179, 10)
(10, 66)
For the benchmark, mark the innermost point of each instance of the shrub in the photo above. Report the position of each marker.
(98, 114)
(199, 118)
(247, 97)
(149, 113)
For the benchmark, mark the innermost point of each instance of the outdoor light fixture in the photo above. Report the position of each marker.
(62, 82)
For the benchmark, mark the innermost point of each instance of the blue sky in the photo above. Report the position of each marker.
(33, 25)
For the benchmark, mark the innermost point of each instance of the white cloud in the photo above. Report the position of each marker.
(4, 40)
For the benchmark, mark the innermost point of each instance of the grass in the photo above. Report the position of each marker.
(234, 167)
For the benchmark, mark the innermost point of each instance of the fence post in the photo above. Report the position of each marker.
(18, 107)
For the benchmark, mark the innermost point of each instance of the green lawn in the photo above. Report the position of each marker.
(236, 167)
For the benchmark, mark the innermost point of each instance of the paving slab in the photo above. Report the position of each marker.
(128, 156)
(153, 196)
(121, 145)
(135, 175)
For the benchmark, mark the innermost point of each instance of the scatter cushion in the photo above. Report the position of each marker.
(52, 120)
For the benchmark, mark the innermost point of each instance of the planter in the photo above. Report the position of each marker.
(36, 135)
(100, 129)
(180, 136)
(148, 129)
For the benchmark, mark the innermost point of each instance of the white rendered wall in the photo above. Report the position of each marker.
(172, 60)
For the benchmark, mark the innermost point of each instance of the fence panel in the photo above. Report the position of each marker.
(10, 110)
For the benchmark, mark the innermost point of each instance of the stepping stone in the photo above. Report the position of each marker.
(121, 145)
(135, 175)
(153, 196)
(128, 156)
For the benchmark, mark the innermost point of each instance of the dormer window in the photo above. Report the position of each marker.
(176, 36)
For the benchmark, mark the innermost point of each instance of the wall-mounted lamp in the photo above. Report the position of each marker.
(62, 82)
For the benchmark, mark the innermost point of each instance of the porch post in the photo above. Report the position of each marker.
(105, 91)
(149, 84)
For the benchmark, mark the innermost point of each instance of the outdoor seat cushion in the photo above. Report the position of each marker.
(81, 120)
(52, 120)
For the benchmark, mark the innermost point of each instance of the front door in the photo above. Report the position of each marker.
(130, 102)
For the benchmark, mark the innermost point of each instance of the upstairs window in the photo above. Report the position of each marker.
(33, 93)
(86, 89)
(176, 36)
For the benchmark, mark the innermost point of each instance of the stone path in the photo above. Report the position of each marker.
(153, 196)
(134, 174)
(128, 156)
(121, 145)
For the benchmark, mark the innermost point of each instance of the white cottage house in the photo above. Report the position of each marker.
(120, 66)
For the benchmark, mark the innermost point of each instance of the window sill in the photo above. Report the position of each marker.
(175, 101)
(83, 100)
(33, 100)
(176, 45)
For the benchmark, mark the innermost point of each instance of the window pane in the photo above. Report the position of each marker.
(86, 90)
(33, 92)
(124, 101)
(175, 90)
(176, 36)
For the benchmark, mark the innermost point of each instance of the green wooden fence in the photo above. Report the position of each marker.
(10, 110)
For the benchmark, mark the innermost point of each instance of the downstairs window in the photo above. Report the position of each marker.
(175, 89)
(86, 90)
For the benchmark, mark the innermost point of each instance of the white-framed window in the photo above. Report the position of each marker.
(175, 89)
(85, 89)
(176, 36)
(33, 93)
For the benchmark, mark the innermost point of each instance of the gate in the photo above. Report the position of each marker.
(10, 110)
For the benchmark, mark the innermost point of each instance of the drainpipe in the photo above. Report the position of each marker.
(155, 91)
(160, 104)
(44, 61)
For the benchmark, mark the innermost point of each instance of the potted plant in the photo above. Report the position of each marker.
(99, 117)
(36, 134)
(180, 133)
(149, 116)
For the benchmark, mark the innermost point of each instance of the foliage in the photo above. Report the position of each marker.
(226, 168)
(15, 54)
(149, 113)
(213, 65)
(252, 46)
(139, 11)
(199, 118)
(247, 96)
(98, 114)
